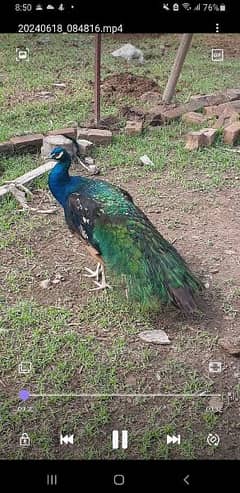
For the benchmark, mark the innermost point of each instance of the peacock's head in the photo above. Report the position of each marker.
(60, 155)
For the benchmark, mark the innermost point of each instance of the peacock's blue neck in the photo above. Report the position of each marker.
(61, 183)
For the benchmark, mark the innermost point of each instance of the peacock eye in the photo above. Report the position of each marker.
(58, 156)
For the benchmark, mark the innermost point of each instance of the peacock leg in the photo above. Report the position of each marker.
(103, 284)
(94, 273)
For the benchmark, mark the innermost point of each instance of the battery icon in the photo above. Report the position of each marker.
(222, 7)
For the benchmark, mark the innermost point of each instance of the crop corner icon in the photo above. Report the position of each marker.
(24, 367)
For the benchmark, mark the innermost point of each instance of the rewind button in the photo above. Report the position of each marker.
(66, 440)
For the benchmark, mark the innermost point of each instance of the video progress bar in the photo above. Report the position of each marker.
(125, 395)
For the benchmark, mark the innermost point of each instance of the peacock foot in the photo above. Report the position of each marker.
(103, 284)
(94, 273)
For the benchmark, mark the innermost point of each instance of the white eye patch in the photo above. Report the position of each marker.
(58, 156)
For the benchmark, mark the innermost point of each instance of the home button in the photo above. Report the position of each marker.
(118, 479)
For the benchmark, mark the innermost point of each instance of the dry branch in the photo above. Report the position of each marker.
(27, 177)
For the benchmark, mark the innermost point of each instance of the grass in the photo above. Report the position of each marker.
(88, 343)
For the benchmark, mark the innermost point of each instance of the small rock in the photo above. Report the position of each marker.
(93, 169)
(131, 380)
(89, 161)
(193, 117)
(58, 278)
(85, 146)
(207, 285)
(53, 140)
(215, 404)
(146, 161)
(155, 336)
(44, 284)
(60, 85)
(129, 52)
(230, 344)
(214, 271)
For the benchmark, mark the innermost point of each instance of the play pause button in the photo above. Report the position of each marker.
(119, 439)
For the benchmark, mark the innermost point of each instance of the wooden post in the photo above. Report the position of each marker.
(97, 79)
(177, 67)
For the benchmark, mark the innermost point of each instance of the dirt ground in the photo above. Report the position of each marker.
(127, 84)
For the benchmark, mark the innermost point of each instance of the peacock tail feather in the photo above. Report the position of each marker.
(153, 268)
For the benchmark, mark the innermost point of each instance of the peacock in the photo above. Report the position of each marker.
(121, 237)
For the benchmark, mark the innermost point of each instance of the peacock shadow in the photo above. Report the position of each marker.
(208, 317)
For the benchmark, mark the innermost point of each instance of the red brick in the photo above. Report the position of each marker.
(134, 127)
(232, 133)
(209, 135)
(193, 117)
(217, 110)
(201, 138)
(68, 131)
(6, 147)
(25, 141)
(232, 119)
(226, 118)
(211, 110)
(233, 94)
(220, 121)
(194, 140)
(95, 135)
